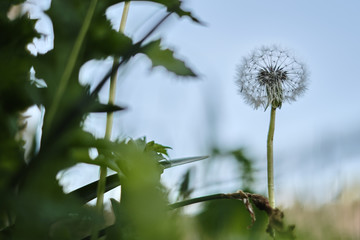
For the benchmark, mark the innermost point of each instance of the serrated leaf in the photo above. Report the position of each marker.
(173, 6)
(103, 41)
(165, 58)
(158, 148)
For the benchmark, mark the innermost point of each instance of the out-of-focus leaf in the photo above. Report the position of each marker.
(16, 94)
(152, 146)
(103, 41)
(88, 192)
(165, 58)
(173, 6)
(101, 108)
(180, 161)
(185, 190)
(15, 63)
(144, 204)
(123, 228)
(246, 167)
(40, 204)
(225, 219)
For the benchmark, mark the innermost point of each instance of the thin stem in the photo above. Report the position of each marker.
(101, 189)
(124, 17)
(114, 76)
(270, 158)
(109, 122)
(71, 62)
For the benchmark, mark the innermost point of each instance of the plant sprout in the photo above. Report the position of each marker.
(268, 77)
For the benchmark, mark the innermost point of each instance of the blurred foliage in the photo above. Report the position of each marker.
(33, 205)
(185, 190)
(227, 219)
(244, 164)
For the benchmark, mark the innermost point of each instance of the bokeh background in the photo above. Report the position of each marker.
(317, 138)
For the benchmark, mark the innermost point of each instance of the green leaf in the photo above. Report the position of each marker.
(104, 108)
(15, 63)
(158, 148)
(184, 189)
(103, 41)
(173, 6)
(165, 58)
(180, 161)
(228, 218)
(88, 192)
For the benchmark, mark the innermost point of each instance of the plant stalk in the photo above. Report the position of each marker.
(113, 78)
(109, 123)
(270, 158)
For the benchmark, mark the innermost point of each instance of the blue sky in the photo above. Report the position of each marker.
(188, 115)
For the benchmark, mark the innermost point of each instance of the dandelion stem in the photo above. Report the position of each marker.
(109, 123)
(270, 158)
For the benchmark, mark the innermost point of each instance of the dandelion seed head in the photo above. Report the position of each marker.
(270, 76)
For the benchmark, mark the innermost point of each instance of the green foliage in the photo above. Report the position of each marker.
(229, 219)
(185, 189)
(165, 58)
(16, 94)
(245, 167)
(244, 164)
(142, 193)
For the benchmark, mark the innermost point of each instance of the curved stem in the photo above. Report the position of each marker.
(198, 200)
(71, 62)
(270, 158)
(239, 195)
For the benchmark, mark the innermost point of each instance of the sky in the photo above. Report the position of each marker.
(317, 138)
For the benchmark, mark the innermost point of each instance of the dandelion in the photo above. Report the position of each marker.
(268, 77)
